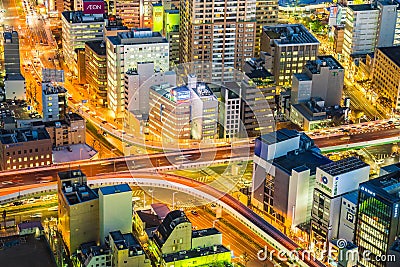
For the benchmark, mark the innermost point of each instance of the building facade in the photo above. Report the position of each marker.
(96, 71)
(24, 148)
(266, 14)
(124, 51)
(290, 46)
(386, 76)
(218, 31)
(78, 28)
(54, 102)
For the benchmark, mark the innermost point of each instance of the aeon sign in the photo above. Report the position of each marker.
(93, 7)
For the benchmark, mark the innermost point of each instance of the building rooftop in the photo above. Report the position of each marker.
(352, 196)
(91, 249)
(310, 111)
(14, 77)
(343, 166)
(172, 220)
(151, 220)
(79, 193)
(114, 189)
(72, 174)
(137, 36)
(161, 210)
(30, 225)
(314, 66)
(285, 34)
(205, 232)
(80, 17)
(98, 47)
(195, 253)
(391, 168)
(278, 136)
(300, 162)
(126, 241)
(23, 135)
(363, 7)
(386, 186)
(51, 89)
(393, 53)
(302, 77)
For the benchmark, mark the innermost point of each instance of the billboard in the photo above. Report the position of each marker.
(158, 17)
(180, 95)
(93, 7)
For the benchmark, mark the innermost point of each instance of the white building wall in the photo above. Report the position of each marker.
(347, 220)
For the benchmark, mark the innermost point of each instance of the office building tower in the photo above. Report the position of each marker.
(348, 214)
(171, 33)
(324, 78)
(54, 102)
(378, 223)
(386, 76)
(130, 12)
(25, 148)
(333, 180)
(290, 46)
(218, 31)
(284, 170)
(96, 71)
(78, 28)
(124, 51)
(387, 22)
(266, 14)
(78, 210)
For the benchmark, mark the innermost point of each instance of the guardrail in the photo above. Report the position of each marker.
(362, 144)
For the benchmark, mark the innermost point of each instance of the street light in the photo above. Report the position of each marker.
(173, 200)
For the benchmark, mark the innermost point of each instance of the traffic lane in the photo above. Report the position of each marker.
(338, 140)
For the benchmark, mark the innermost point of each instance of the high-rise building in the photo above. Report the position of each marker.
(78, 28)
(11, 53)
(130, 12)
(220, 32)
(171, 33)
(96, 71)
(386, 76)
(333, 180)
(124, 51)
(324, 78)
(54, 102)
(284, 170)
(266, 14)
(378, 223)
(388, 15)
(338, 37)
(396, 40)
(290, 46)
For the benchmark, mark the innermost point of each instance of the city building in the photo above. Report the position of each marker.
(338, 38)
(266, 14)
(80, 65)
(284, 172)
(91, 254)
(171, 33)
(14, 82)
(70, 131)
(378, 223)
(310, 115)
(130, 13)
(54, 102)
(11, 53)
(126, 250)
(396, 40)
(290, 46)
(340, 255)
(217, 32)
(386, 76)
(259, 116)
(115, 203)
(140, 45)
(23, 148)
(78, 28)
(321, 78)
(96, 71)
(394, 251)
(333, 180)
(78, 210)
(348, 213)
(388, 15)
(180, 246)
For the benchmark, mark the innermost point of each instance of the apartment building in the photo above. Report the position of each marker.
(54, 102)
(220, 32)
(266, 14)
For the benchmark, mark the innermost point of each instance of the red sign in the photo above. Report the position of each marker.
(93, 7)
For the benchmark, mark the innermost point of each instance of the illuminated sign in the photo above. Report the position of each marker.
(158, 18)
(396, 210)
(93, 7)
(180, 95)
(324, 180)
(350, 217)
(366, 190)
